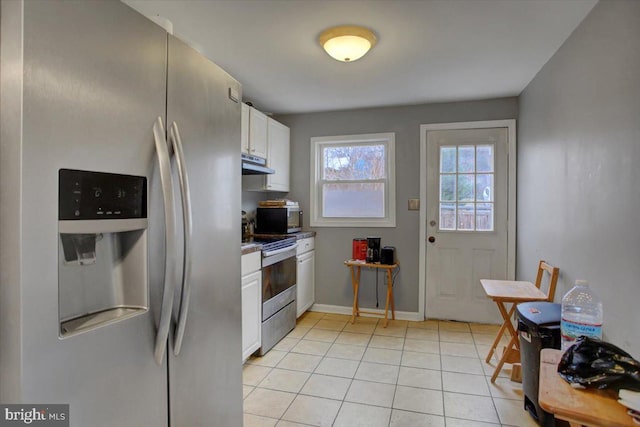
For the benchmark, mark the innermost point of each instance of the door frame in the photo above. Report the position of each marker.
(510, 124)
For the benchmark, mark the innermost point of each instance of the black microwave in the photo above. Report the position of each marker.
(280, 220)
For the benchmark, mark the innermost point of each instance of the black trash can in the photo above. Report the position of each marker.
(538, 328)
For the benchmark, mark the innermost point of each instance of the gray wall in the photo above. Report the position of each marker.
(333, 245)
(250, 200)
(579, 166)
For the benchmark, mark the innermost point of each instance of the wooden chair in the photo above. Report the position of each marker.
(514, 292)
(553, 278)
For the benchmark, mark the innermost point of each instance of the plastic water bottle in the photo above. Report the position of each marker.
(581, 314)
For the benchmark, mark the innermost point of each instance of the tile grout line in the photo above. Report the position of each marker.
(444, 410)
(493, 403)
(350, 380)
(356, 371)
(315, 369)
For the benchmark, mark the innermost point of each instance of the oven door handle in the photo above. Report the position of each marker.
(279, 251)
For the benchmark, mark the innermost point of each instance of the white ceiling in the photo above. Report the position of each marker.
(427, 51)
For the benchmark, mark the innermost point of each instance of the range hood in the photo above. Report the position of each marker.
(252, 165)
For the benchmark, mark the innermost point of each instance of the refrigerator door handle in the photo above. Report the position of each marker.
(164, 164)
(176, 141)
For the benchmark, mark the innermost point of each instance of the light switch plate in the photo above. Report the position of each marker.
(414, 204)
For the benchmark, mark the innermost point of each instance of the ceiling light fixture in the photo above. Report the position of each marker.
(347, 43)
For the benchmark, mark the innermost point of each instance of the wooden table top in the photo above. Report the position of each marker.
(358, 263)
(512, 290)
(589, 407)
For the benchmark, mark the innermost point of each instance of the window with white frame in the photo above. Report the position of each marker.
(353, 181)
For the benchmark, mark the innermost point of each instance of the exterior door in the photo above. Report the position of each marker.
(466, 215)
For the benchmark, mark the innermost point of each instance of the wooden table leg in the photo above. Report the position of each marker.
(358, 290)
(386, 306)
(354, 284)
(501, 332)
(390, 285)
(496, 341)
(510, 353)
(507, 317)
(512, 342)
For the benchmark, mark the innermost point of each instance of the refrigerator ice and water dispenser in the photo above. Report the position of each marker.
(102, 251)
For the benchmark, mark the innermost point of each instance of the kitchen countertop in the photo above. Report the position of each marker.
(248, 248)
(304, 234)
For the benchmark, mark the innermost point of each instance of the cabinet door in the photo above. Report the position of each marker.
(278, 156)
(306, 282)
(244, 129)
(251, 310)
(257, 133)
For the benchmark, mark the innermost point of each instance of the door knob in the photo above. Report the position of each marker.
(431, 239)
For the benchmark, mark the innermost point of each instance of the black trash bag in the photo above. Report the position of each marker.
(593, 363)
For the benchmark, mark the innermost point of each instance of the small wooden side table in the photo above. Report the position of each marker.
(509, 292)
(355, 267)
(579, 407)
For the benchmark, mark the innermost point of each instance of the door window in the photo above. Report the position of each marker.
(466, 182)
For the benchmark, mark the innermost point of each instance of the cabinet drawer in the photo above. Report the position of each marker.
(306, 245)
(250, 263)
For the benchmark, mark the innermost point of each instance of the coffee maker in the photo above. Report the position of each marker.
(373, 249)
(245, 226)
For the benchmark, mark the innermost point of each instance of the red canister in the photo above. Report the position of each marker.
(359, 249)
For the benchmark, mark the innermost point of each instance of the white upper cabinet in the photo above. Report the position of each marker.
(253, 132)
(278, 156)
(244, 129)
(277, 137)
(257, 133)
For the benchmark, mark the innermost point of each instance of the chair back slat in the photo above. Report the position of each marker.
(553, 279)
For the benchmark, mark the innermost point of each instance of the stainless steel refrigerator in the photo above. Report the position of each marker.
(136, 321)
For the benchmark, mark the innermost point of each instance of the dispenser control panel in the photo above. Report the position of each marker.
(86, 195)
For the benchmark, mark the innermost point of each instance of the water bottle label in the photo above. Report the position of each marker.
(573, 330)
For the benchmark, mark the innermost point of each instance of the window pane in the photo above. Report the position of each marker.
(484, 188)
(354, 162)
(466, 217)
(484, 158)
(448, 188)
(447, 216)
(355, 200)
(448, 159)
(484, 216)
(466, 158)
(465, 188)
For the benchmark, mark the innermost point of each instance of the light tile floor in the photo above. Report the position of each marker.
(329, 372)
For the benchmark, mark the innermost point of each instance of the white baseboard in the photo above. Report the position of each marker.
(339, 309)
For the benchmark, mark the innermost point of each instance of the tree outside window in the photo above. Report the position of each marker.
(352, 181)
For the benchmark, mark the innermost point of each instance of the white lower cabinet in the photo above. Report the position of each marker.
(305, 282)
(251, 306)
